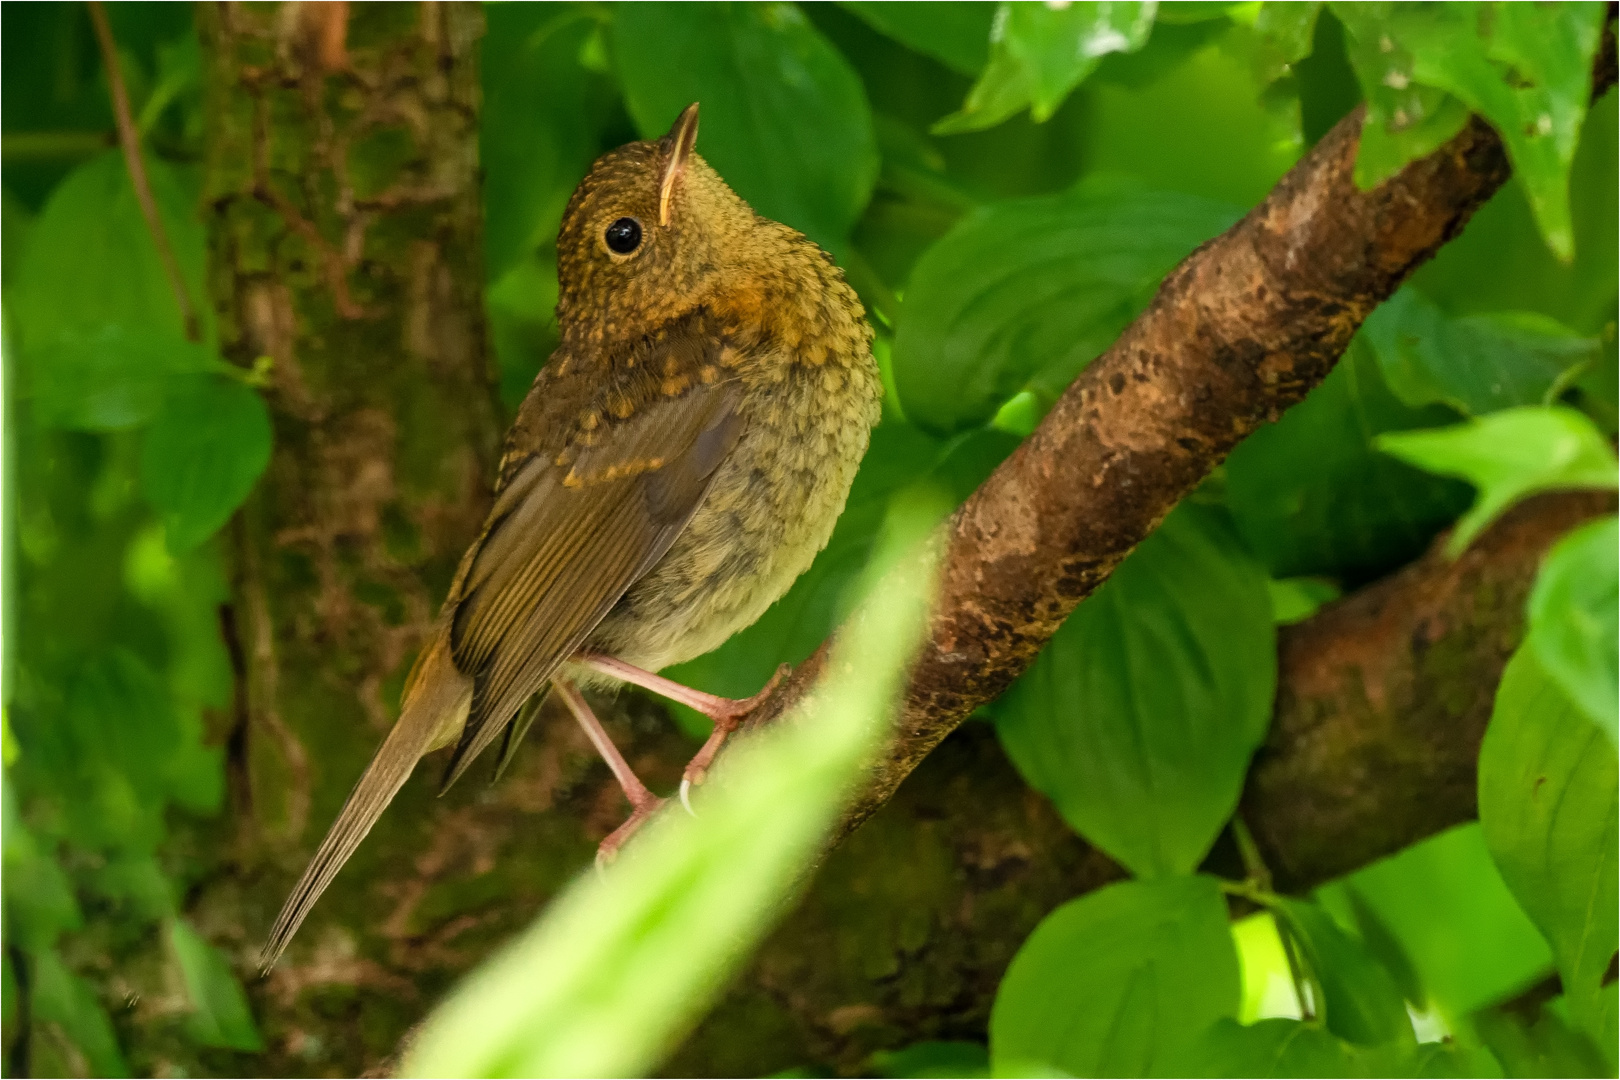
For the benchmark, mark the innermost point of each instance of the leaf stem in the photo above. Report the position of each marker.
(129, 140)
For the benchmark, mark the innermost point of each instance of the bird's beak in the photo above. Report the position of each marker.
(681, 138)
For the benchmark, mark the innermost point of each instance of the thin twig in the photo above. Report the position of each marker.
(129, 139)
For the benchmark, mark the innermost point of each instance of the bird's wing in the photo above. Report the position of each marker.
(568, 535)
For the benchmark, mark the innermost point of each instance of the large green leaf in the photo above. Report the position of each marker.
(1040, 52)
(631, 957)
(1360, 1001)
(956, 33)
(784, 118)
(1507, 456)
(541, 122)
(203, 454)
(1527, 68)
(220, 1014)
(1441, 899)
(1024, 294)
(91, 260)
(1312, 496)
(1548, 806)
(1139, 717)
(1573, 628)
(1476, 364)
(1117, 982)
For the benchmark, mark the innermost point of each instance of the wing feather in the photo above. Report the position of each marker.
(568, 541)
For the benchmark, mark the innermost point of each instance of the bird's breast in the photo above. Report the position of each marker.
(769, 510)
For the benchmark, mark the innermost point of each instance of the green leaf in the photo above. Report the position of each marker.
(1547, 804)
(1139, 718)
(1275, 1047)
(1360, 1001)
(1041, 52)
(784, 117)
(1117, 982)
(220, 1013)
(631, 957)
(1440, 899)
(58, 996)
(1507, 456)
(91, 260)
(926, 1059)
(1525, 68)
(1546, 1046)
(203, 454)
(108, 377)
(1312, 497)
(956, 34)
(1573, 628)
(541, 125)
(1281, 1047)
(1294, 599)
(1476, 364)
(1024, 294)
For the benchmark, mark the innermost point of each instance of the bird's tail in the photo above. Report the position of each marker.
(435, 709)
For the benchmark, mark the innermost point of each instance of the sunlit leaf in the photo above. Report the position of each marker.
(203, 454)
(1024, 294)
(1573, 620)
(784, 118)
(1507, 456)
(1117, 982)
(1548, 806)
(1040, 52)
(1527, 68)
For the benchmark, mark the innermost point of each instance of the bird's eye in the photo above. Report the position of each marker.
(624, 235)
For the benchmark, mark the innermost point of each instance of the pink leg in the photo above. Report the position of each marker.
(727, 713)
(643, 803)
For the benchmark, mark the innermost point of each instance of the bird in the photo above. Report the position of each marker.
(678, 462)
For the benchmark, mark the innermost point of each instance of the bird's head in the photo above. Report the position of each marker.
(650, 233)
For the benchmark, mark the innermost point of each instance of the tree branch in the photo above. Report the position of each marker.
(1241, 330)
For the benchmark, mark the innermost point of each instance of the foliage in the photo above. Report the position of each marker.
(1005, 185)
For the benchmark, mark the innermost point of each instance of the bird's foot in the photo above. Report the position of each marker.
(726, 720)
(716, 708)
(608, 850)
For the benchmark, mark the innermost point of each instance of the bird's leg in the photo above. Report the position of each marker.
(727, 713)
(643, 803)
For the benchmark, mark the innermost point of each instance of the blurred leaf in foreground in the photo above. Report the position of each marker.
(203, 454)
(1507, 456)
(623, 962)
(1573, 619)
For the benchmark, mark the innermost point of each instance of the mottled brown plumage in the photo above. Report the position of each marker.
(678, 462)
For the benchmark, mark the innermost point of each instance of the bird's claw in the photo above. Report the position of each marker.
(686, 796)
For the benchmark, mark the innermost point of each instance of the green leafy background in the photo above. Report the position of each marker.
(1005, 185)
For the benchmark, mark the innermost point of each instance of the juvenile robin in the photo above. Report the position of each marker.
(679, 461)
